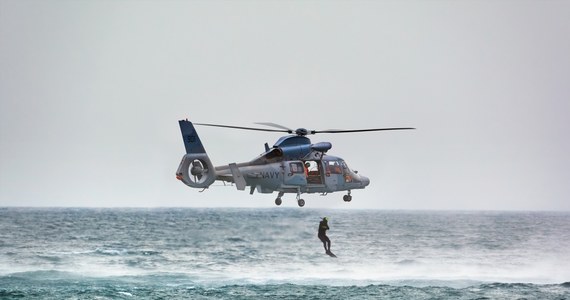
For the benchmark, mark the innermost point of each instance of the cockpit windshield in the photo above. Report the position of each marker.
(344, 166)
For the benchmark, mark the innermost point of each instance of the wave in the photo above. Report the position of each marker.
(125, 252)
(40, 275)
(217, 280)
(56, 284)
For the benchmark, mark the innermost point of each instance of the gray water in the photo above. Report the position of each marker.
(65, 253)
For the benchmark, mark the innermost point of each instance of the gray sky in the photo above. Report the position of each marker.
(91, 92)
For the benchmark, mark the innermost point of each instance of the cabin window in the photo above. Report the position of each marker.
(297, 167)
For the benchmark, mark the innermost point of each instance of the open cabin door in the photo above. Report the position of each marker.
(314, 171)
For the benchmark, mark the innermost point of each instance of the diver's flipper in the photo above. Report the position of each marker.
(331, 254)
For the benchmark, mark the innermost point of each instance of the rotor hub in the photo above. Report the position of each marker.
(197, 168)
(301, 131)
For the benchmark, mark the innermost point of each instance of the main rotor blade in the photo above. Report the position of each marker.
(275, 125)
(359, 130)
(239, 127)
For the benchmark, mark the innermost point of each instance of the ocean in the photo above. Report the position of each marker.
(188, 253)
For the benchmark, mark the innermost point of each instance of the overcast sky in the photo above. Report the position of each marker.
(91, 93)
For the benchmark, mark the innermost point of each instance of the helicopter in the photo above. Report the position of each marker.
(292, 165)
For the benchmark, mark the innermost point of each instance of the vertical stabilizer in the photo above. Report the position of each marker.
(190, 136)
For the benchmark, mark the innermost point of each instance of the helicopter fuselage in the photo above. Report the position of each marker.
(326, 175)
(292, 165)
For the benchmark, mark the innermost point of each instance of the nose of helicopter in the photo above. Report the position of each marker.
(365, 181)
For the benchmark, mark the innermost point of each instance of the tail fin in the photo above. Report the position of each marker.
(195, 170)
(190, 136)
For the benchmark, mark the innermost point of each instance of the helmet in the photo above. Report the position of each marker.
(325, 219)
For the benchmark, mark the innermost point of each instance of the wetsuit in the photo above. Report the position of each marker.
(323, 227)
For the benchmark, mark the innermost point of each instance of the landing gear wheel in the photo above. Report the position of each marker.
(301, 202)
(278, 201)
(347, 198)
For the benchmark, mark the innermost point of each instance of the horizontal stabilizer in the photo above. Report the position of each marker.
(238, 177)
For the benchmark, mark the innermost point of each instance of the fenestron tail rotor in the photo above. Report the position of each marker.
(303, 131)
(197, 170)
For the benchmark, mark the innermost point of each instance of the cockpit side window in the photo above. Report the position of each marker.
(334, 167)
